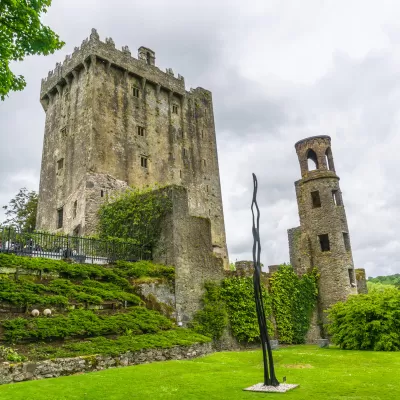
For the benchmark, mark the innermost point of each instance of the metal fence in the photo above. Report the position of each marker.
(80, 249)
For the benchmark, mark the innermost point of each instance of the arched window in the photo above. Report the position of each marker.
(312, 160)
(329, 159)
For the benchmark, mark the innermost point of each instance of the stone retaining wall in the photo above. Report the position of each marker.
(68, 366)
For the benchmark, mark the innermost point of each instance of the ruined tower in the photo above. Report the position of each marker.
(114, 121)
(322, 240)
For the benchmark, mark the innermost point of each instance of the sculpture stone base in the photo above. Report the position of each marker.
(282, 388)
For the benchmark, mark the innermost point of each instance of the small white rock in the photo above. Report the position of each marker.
(35, 313)
(47, 312)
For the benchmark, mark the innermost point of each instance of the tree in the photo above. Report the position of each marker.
(21, 210)
(22, 34)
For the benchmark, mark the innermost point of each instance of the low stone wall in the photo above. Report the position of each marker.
(68, 366)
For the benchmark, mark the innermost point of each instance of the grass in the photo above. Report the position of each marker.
(322, 374)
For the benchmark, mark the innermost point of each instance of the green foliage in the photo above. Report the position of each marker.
(293, 301)
(22, 34)
(378, 287)
(367, 322)
(238, 294)
(80, 283)
(21, 210)
(386, 280)
(134, 214)
(212, 319)
(141, 269)
(123, 344)
(9, 354)
(84, 323)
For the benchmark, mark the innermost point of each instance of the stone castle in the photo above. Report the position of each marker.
(322, 240)
(114, 121)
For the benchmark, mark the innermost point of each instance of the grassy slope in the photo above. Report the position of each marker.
(328, 374)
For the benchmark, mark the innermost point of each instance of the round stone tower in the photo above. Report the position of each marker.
(323, 236)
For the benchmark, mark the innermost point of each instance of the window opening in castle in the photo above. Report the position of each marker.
(180, 173)
(324, 242)
(148, 57)
(346, 240)
(184, 152)
(143, 162)
(207, 188)
(135, 92)
(337, 198)
(64, 131)
(101, 193)
(316, 200)
(60, 164)
(329, 159)
(140, 130)
(60, 217)
(174, 109)
(351, 277)
(312, 160)
(204, 163)
(202, 134)
(75, 208)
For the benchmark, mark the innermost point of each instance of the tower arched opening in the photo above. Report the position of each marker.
(312, 160)
(329, 159)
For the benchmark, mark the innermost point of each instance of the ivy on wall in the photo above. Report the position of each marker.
(293, 301)
(134, 214)
(290, 300)
(238, 294)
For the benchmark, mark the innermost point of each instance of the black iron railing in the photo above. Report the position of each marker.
(80, 249)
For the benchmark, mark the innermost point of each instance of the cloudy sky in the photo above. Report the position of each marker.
(279, 71)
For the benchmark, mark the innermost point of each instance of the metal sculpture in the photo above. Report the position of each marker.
(269, 371)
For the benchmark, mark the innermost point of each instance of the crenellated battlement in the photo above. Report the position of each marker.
(93, 48)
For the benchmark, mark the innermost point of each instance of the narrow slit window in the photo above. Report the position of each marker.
(64, 132)
(324, 242)
(60, 164)
(140, 130)
(180, 173)
(174, 109)
(75, 208)
(352, 278)
(184, 152)
(337, 197)
(135, 91)
(204, 163)
(316, 200)
(207, 188)
(101, 193)
(143, 162)
(60, 217)
(346, 240)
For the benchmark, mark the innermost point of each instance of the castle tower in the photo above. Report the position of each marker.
(322, 239)
(114, 121)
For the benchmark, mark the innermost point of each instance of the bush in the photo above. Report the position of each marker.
(140, 269)
(123, 344)
(85, 323)
(367, 322)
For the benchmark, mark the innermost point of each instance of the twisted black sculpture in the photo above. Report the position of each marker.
(269, 371)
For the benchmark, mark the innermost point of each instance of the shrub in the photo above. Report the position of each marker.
(123, 344)
(367, 322)
(140, 269)
(85, 323)
(9, 354)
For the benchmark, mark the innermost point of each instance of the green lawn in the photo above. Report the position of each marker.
(322, 374)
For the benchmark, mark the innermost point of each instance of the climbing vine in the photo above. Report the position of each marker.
(213, 318)
(134, 214)
(293, 301)
(290, 301)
